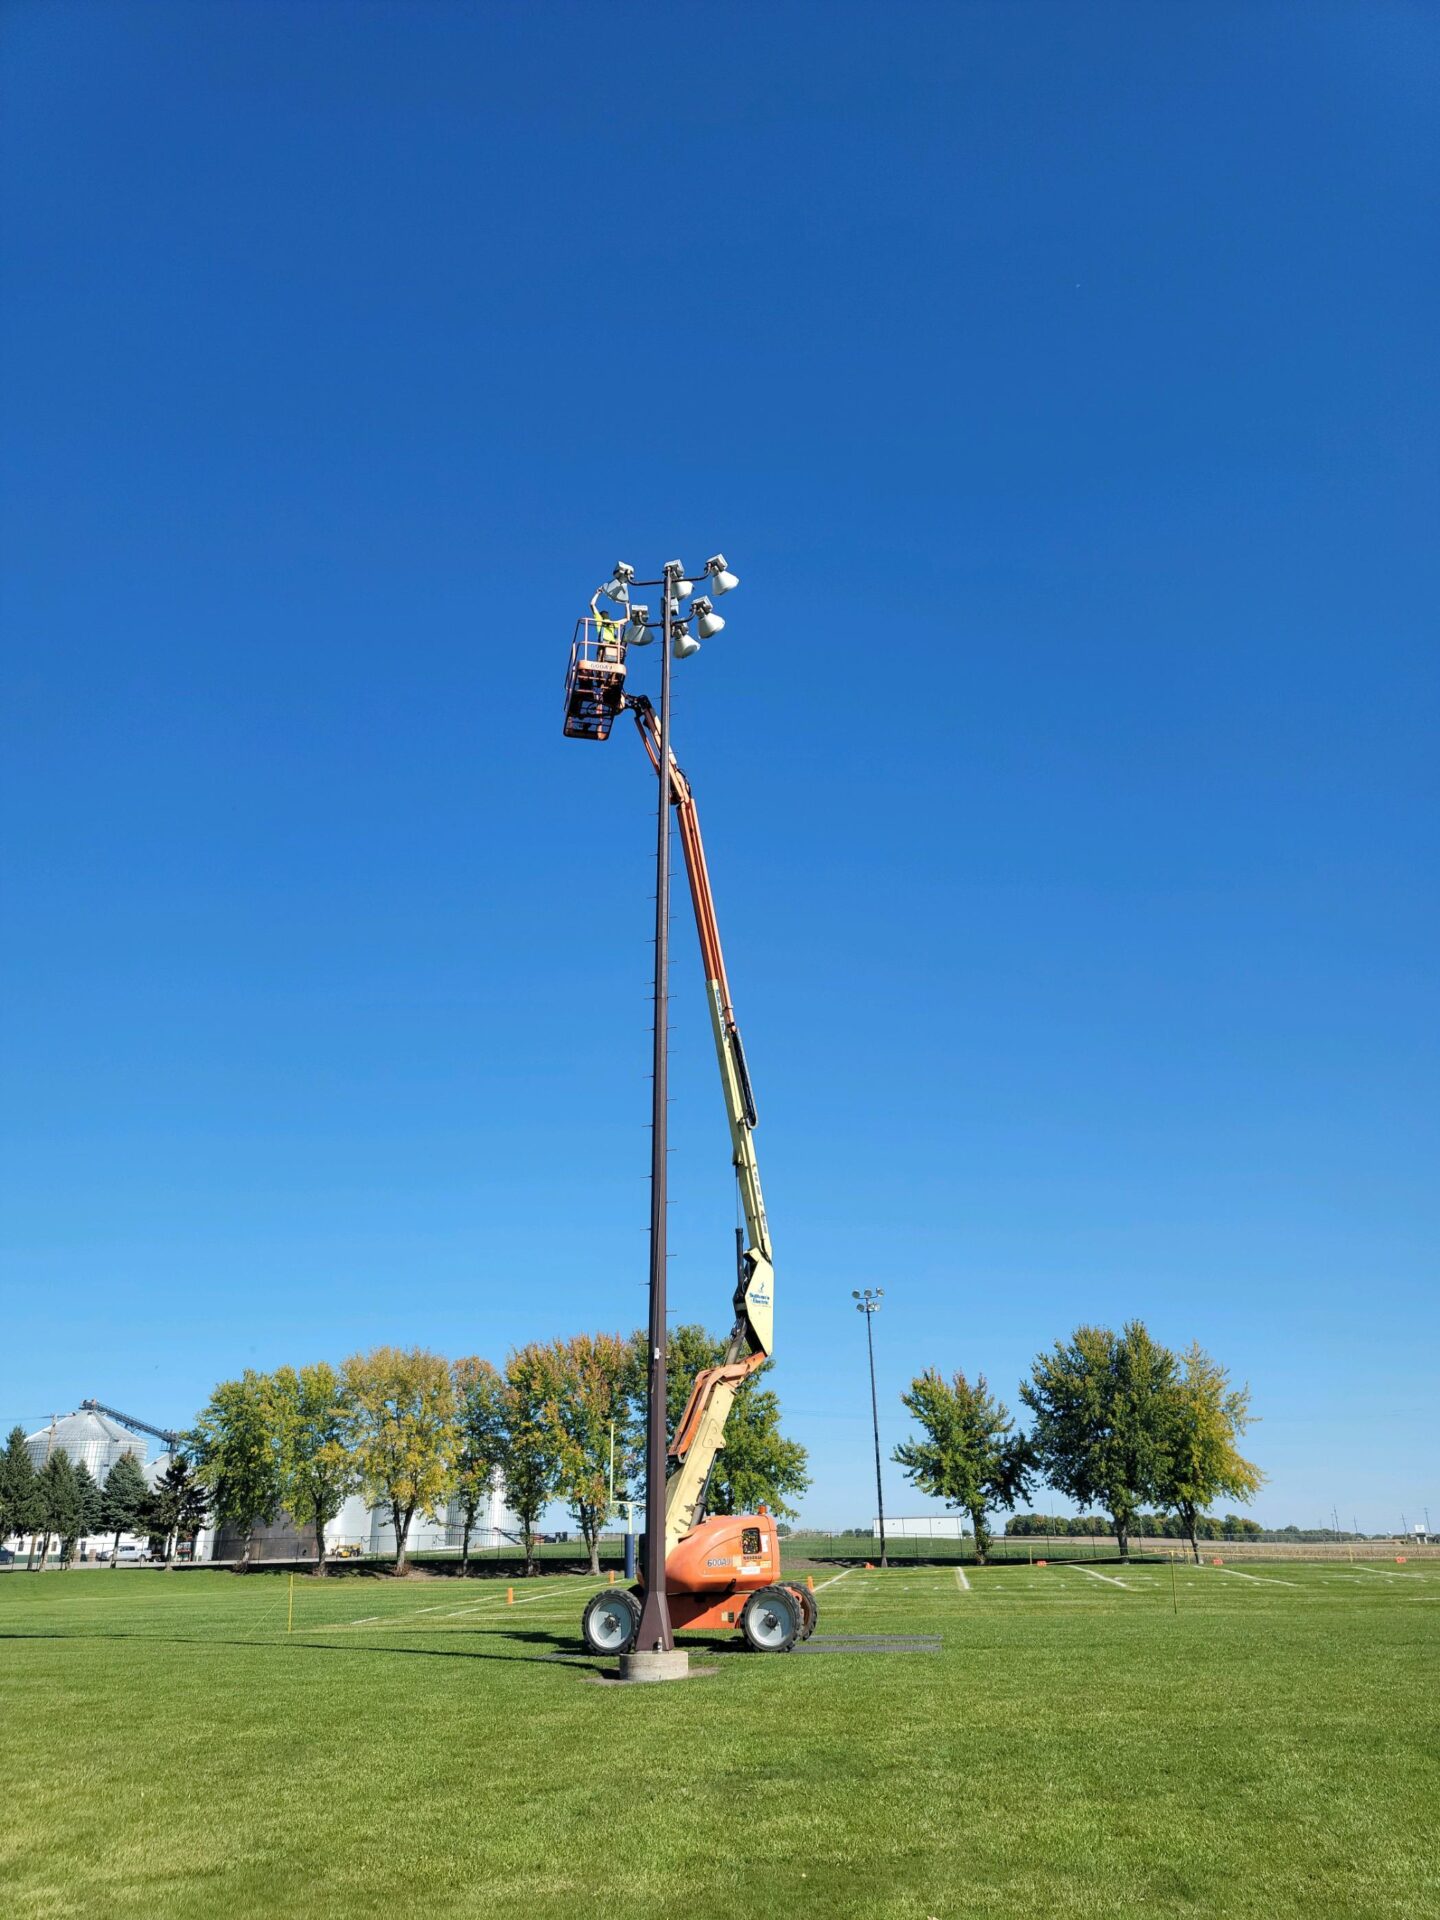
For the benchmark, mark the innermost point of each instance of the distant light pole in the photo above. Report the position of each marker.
(868, 1303)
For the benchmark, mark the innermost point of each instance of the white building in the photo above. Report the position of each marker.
(365, 1530)
(924, 1526)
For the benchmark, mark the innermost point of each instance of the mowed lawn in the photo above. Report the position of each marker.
(1075, 1747)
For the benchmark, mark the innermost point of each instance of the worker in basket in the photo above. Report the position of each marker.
(607, 634)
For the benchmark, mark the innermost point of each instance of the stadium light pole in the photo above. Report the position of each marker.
(654, 1633)
(868, 1303)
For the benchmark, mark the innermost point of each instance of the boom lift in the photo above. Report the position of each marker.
(722, 1570)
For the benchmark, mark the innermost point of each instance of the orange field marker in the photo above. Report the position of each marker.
(810, 1582)
(509, 1596)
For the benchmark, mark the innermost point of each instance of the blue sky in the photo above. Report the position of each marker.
(1059, 380)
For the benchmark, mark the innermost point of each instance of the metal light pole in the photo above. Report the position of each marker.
(868, 1303)
(594, 695)
(653, 1634)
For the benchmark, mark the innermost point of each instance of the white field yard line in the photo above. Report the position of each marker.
(961, 1581)
(1091, 1574)
(834, 1580)
(1260, 1579)
(1383, 1573)
(475, 1606)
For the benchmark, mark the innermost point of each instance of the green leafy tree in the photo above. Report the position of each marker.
(310, 1415)
(480, 1425)
(970, 1455)
(59, 1502)
(403, 1430)
(124, 1502)
(19, 1501)
(88, 1503)
(1101, 1404)
(590, 1385)
(531, 1470)
(179, 1506)
(1203, 1460)
(757, 1465)
(237, 1455)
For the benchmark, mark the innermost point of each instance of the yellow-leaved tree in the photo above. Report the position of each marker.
(403, 1432)
(589, 1386)
(1203, 1461)
(310, 1417)
(479, 1463)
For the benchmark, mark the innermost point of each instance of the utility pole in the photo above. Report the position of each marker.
(868, 1303)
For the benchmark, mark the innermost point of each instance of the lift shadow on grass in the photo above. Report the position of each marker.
(561, 1649)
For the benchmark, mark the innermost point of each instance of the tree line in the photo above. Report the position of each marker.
(1146, 1526)
(411, 1431)
(1119, 1423)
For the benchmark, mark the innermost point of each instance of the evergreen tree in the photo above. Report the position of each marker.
(178, 1507)
(19, 1505)
(124, 1499)
(970, 1456)
(87, 1509)
(59, 1501)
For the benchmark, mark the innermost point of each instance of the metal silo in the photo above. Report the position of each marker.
(91, 1440)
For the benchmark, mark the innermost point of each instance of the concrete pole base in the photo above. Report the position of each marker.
(674, 1665)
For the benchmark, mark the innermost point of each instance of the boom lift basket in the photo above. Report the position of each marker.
(595, 681)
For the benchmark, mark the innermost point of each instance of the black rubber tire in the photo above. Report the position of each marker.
(772, 1620)
(809, 1608)
(608, 1605)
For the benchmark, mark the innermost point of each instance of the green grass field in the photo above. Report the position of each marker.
(1075, 1747)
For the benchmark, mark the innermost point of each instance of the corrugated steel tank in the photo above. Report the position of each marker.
(90, 1439)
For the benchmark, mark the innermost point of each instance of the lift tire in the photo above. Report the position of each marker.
(612, 1619)
(809, 1608)
(772, 1620)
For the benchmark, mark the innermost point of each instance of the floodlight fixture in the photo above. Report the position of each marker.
(680, 587)
(681, 643)
(618, 585)
(721, 578)
(635, 632)
(708, 623)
